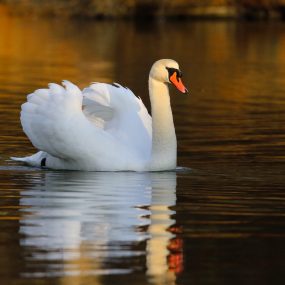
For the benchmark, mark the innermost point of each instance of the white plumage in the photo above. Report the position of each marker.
(105, 127)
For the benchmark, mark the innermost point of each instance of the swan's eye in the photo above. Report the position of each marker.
(171, 71)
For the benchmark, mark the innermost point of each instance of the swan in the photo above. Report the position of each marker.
(105, 127)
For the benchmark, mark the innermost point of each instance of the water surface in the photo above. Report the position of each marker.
(221, 222)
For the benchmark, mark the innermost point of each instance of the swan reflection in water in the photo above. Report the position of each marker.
(96, 223)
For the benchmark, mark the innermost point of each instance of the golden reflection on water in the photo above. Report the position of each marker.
(33, 51)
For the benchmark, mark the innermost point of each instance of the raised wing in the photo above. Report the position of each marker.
(104, 123)
(119, 112)
(54, 122)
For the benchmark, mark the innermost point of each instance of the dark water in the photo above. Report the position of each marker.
(222, 222)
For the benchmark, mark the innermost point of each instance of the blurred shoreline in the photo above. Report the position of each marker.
(146, 9)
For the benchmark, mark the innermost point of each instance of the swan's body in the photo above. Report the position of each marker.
(105, 127)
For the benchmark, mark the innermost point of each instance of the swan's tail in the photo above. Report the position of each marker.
(36, 159)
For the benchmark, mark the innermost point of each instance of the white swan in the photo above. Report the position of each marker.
(105, 127)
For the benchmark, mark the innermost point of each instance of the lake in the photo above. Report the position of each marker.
(219, 219)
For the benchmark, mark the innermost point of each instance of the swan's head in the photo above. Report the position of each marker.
(167, 71)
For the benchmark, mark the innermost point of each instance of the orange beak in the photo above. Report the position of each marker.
(177, 82)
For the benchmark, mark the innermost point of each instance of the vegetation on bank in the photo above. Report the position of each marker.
(149, 8)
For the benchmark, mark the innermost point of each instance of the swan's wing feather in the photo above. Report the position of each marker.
(145, 117)
(111, 102)
(54, 122)
(123, 114)
(94, 110)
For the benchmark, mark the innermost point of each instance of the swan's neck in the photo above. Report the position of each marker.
(164, 146)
